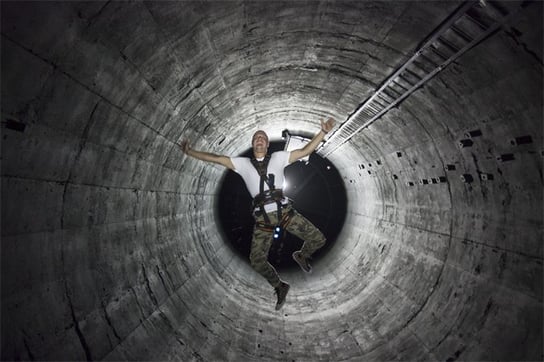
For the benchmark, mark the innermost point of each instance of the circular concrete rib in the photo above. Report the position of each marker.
(110, 249)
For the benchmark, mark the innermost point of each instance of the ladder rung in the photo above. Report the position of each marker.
(454, 40)
(439, 53)
(357, 121)
(420, 65)
(385, 97)
(448, 44)
(391, 92)
(362, 119)
(373, 107)
(495, 8)
(369, 110)
(411, 74)
(345, 127)
(428, 60)
(474, 20)
(401, 80)
(404, 89)
(377, 102)
(469, 27)
(460, 33)
(419, 72)
(434, 57)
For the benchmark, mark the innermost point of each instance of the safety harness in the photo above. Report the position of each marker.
(267, 197)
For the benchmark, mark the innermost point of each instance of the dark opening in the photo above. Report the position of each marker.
(14, 125)
(317, 192)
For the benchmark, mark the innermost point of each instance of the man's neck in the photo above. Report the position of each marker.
(259, 154)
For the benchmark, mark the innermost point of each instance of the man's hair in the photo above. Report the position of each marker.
(259, 131)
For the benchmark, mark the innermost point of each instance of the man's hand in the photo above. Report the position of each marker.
(328, 125)
(185, 147)
(310, 147)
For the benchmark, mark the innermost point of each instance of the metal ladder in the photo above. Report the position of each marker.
(470, 24)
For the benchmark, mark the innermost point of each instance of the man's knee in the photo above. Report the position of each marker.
(320, 240)
(257, 260)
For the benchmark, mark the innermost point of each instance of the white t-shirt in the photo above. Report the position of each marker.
(278, 161)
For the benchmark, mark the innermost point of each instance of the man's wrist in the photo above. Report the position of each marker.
(322, 130)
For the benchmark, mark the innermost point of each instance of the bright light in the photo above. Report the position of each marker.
(285, 184)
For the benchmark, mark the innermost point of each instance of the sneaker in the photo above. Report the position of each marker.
(302, 261)
(281, 292)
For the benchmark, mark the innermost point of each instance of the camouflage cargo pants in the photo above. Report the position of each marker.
(298, 225)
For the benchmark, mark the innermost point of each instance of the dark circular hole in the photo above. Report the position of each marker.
(317, 192)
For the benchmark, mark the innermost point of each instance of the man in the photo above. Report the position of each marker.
(264, 178)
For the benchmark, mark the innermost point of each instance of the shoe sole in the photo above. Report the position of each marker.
(278, 307)
(300, 264)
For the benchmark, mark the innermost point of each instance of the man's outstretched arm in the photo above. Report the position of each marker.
(206, 156)
(310, 147)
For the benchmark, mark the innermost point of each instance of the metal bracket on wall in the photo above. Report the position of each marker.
(470, 24)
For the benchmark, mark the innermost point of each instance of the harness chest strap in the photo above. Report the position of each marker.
(271, 194)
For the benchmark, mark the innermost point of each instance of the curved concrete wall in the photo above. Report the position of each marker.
(110, 249)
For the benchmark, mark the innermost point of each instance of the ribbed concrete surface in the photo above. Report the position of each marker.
(110, 249)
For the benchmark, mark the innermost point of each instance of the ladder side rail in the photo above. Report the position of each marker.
(370, 106)
(424, 80)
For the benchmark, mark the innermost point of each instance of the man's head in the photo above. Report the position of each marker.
(259, 142)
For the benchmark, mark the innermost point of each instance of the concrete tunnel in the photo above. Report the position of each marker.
(110, 246)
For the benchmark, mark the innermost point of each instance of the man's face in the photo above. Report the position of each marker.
(259, 141)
